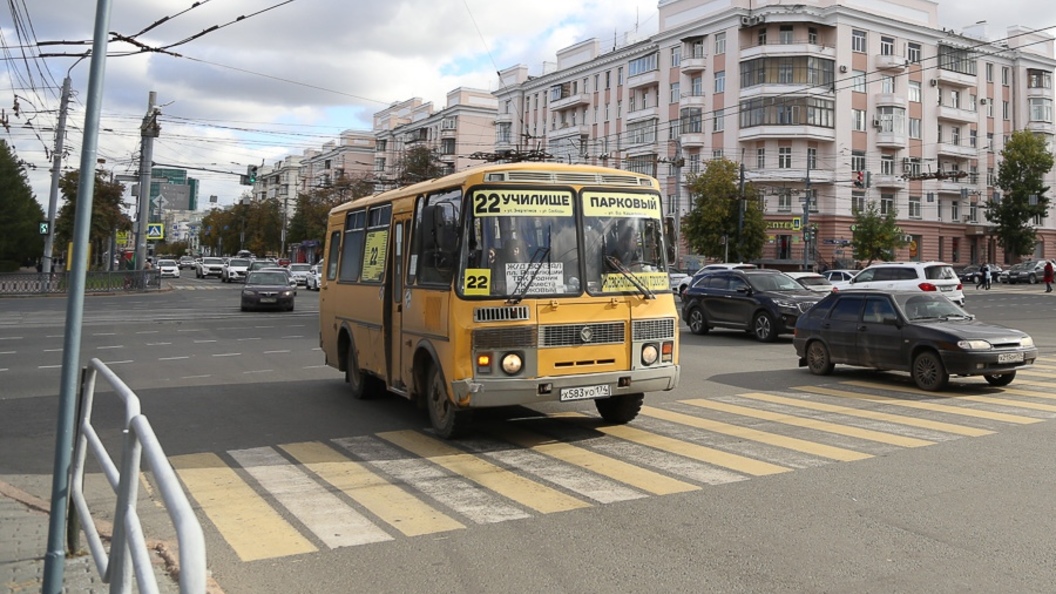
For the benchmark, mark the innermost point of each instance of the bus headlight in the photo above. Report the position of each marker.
(512, 363)
(649, 354)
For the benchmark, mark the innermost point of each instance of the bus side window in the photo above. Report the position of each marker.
(335, 251)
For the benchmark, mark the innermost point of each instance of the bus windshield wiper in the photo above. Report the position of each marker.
(644, 290)
(535, 264)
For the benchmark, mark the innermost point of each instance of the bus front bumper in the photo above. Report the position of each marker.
(491, 392)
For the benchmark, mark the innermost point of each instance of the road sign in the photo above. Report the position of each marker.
(155, 231)
(45, 227)
(797, 223)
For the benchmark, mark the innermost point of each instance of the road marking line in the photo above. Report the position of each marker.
(618, 470)
(260, 371)
(294, 336)
(52, 350)
(245, 339)
(246, 521)
(467, 498)
(196, 376)
(1031, 373)
(332, 520)
(104, 334)
(870, 414)
(148, 332)
(1022, 392)
(158, 343)
(526, 492)
(227, 354)
(115, 346)
(7, 352)
(276, 352)
(928, 406)
(20, 337)
(997, 416)
(782, 441)
(689, 450)
(810, 423)
(48, 366)
(4, 369)
(173, 358)
(121, 362)
(204, 341)
(388, 502)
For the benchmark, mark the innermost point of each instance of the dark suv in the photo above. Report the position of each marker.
(764, 303)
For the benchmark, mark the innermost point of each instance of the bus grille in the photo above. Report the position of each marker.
(515, 337)
(577, 334)
(658, 329)
(500, 314)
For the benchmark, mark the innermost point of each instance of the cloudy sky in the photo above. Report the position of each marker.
(292, 74)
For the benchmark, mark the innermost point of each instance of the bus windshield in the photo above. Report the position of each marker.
(526, 243)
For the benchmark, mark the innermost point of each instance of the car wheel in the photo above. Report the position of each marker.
(1032, 279)
(698, 322)
(448, 421)
(928, 372)
(354, 376)
(290, 308)
(1000, 379)
(620, 410)
(818, 358)
(763, 327)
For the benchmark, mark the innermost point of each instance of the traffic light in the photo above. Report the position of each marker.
(859, 179)
(251, 174)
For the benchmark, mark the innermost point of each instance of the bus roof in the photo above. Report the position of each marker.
(519, 173)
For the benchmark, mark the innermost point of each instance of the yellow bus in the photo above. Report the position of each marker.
(511, 284)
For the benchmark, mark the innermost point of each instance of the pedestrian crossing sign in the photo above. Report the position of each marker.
(155, 231)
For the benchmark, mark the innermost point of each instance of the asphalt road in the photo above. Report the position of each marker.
(752, 476)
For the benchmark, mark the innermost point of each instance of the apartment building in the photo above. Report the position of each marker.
(828, 106)
(351, 156)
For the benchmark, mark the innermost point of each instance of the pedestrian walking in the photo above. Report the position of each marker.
(981, 279)
(1048, 276)
(988, 274)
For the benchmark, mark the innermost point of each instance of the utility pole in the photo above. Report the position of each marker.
(285, 206)
(808, 234)
(679, 161)
(148, 131)
(56, 173)
(740, 211)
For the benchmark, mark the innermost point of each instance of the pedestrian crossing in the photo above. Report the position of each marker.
(296, 498)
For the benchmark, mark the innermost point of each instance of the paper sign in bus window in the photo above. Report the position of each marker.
(548, 280)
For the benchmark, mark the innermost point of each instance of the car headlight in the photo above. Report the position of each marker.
(511, 363)
(785, 304)
(1026, 341)
(249, 292)
(974, 345)
(287, 293)
(649, 354)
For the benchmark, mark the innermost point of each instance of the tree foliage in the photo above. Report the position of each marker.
(716, 214)
(108, 216)
(419, 163)
(1024, 163)
(876, 235)
(313, 207)
(20, 239)
(254, 225)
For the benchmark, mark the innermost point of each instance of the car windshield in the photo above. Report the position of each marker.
(773, 282)
(267, 278)
(238, 262)
(166, 262)
(212, 261)
(300, 267)
(929, 307)
(813, 281)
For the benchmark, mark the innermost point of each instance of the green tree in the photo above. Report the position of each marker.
(716, 215)
(876, 236)
(107, 215)
(1024, 163)
(254, 225)
(313, 207)
(20, 214)
(419, 163)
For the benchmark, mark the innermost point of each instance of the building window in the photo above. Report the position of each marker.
(784, 200)
(643, 64)
(857, 161)
(989, 142)
(858, 41)
(887, 46)
(1004, 76)
(696, 86)
(858, 81)
(991, 179)
(857, 201)
(1039, 79)
(990, 108)
(938, 132)
(675, 93)
(957, 59)
(619, 76)
(760, 158)
(676, 56)
(914, 207)
(691, 120)
(955, 135)
(887, 164)
(989, 72)
(887, 84)
(955, 99)
(812, 158)
(955, 211)
(914, 91)
(784, 157)
(913, 53)
(720, 43)
(973, 138)
(1004, 110)
(783, 111)
(608, 79)
(1040, 109)
(720, 81)
(720, 120)
(887, 203)
(801, 70)
(892, 119)
(812, 35)
(762, 36)
(784, 35)
(973, 212)
(858, 120)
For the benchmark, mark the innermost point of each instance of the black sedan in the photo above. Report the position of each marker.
(763, 302)
(925, 334)
(268, 289)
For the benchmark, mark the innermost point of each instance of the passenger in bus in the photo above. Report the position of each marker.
(625, 251)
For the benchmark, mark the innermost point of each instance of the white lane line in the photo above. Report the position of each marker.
(119, 362)
(294, 336)
(112, 346)
(275, 352)
(148, 331)
(48, 366)
(332, 520)
(104, 334)
(314, 366)
(263, 326)
(204, 341)
(52, 350)
(244, 339)
(191, 330)
(259, 371)
(195, 376)
(158, 343)
(227, 354)
(15, 337)
(172, 358)
(4, 369)
(7, 352)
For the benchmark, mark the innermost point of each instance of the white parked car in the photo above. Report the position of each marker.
(235, 270)
(169, 268)
(209, 266)
(812, 281)
(911, 276)
(315, 277)
(300, 272)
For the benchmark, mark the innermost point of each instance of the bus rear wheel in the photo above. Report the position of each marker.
(620, 410)
(448, 421)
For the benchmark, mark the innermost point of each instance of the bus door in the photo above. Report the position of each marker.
(394, 288)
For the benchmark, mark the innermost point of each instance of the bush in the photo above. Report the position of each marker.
(9, 266)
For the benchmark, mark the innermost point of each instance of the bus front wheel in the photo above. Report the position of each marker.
(354, 375)
(448, 421)
(619, 410)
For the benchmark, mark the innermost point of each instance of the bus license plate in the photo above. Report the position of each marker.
(586, 392)
(1010, 358)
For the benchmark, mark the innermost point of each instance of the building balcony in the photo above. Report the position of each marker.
(949, 149)
(694, 63)
(790, 176)
(1041, 127)
(647, 113)
(890, 62)
(954, 186)
(504, 117)
(892, 182)
(776, 89)
(780, 131)
(448, 133)
(645, 79)
(951, 78)
(692, 100)
(567, 130)
(890, 100)
(957, 115)
(1039, 92)
(693, 139)
(890, 139)
(570, 101)
(797, 48)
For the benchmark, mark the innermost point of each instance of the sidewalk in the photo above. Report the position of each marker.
(24, 542)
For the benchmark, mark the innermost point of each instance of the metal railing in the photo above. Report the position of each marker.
(96, 281)
(128, 549)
